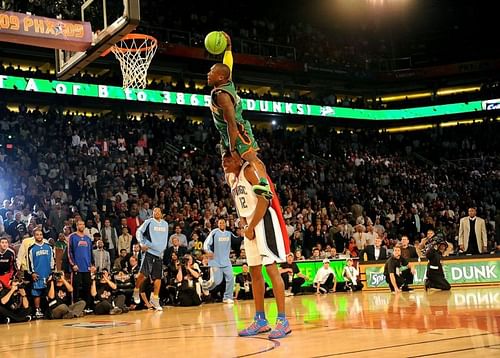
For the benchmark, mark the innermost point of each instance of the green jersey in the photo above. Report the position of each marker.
(245, 139)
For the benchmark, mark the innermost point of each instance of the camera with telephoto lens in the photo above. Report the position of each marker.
(99, 276)
(184, 261)
(57, 275)
(20, 284)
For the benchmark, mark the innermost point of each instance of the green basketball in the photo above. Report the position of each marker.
(215, 42)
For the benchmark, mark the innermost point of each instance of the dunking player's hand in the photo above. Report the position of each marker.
(144, 248)
(228, 38)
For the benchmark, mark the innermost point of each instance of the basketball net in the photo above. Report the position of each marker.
(135, 52)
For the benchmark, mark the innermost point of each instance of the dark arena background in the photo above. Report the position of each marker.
(377, 122)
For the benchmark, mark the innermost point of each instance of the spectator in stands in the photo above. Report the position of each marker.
(124, 241)
(180, 237)
(121, 262)
(375, 252)
(408, 251)
(101, 257)
(179, 250)
(359, 237)
(472, 237)
(315, 254)
(110, 239)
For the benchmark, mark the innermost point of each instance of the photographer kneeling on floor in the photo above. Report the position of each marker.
(59, 298)
(187, 279)
(103, 291)
(14, 305)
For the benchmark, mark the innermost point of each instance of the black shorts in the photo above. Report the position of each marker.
(152, 265)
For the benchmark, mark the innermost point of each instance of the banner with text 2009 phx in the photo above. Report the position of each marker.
(44, 31)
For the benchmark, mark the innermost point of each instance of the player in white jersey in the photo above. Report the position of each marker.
(266, 243)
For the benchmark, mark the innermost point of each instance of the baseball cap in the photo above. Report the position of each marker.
(326, 261)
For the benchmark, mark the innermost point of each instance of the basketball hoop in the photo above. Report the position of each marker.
(135, 52)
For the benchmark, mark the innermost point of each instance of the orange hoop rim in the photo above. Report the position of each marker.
(118, 48)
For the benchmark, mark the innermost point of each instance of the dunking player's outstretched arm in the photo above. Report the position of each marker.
(261, 208)
(228, 55)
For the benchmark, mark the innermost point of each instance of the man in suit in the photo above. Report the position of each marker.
(375, 252)
(472, 237)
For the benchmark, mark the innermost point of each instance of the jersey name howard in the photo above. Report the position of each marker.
(42, 252)
(160, 228)
(240, 190)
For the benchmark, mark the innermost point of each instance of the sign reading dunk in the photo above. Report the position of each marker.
(45, 32)
(456, 272)
(200, 100)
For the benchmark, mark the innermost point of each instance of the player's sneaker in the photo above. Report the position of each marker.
(137, 297)
(263, 189)
(281, 330)
(156, 304)
(228, 300)
(258, 326)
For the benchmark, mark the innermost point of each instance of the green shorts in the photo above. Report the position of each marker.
(244, 141)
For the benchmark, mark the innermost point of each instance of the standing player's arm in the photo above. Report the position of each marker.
(52, 259)
(224, 101)
(207, 243)
(139, 234)
(71, 258)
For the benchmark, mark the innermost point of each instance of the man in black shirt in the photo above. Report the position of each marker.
(435, 274)
(398, 272)
(292, 277)
(59, 298)
(243, 288)
(103, 291)
(7, 262)
(14, 305)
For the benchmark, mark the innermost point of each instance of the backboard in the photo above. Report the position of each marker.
(111, 20)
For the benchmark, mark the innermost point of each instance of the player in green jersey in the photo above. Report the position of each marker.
(236, 132)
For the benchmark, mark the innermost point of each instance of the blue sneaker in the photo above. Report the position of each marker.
(258, 326)
(281, 330)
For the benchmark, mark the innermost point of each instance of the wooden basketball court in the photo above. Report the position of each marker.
(462, 323)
